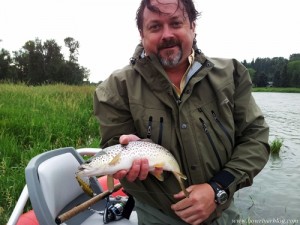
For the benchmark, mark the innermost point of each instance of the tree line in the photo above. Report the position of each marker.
(276, 72)
(40, 62)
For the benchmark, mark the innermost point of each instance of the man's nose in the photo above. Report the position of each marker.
(167, 33)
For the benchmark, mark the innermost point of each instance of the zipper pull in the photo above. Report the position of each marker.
(214, 115)
(149, 127)
(203, 125)
(178, 101)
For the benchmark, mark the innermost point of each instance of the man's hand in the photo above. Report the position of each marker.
(139, 168)
(198, 206)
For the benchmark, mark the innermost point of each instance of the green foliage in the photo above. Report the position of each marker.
(293, 69)
(252, 73)
(37, 119)
(276, 72)
(294, 57)
(276, 89)
(276, 146)
(39, 63)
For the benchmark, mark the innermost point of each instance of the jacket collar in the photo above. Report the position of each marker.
(153, 73)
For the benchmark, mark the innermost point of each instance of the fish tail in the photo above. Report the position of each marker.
(179, 177)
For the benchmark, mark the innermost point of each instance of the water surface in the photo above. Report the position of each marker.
(275, 193)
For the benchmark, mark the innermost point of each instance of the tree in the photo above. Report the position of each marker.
(53, 59)
(5, 62)
(260, 79)
(294, 57)
(293, 70)
(73, 48)
(39, 63)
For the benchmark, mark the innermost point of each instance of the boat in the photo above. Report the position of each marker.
(57, 198)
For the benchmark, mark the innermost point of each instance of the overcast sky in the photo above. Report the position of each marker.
(106, 30)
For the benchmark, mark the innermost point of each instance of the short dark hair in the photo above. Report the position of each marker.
(188, 5)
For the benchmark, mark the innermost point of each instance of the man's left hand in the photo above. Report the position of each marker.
(198, 206)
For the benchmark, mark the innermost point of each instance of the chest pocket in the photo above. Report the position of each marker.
(153, 123)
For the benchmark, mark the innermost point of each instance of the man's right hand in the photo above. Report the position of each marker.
(139, 168)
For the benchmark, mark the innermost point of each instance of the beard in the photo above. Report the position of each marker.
(170, 57)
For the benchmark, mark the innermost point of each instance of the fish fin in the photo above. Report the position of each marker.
(159, 176)
(159, 165)
(179, 176)
(115, 160)
(110, 183)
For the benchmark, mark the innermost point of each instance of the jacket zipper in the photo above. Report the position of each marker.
(161, 122)
(211, 141)
(222, 127)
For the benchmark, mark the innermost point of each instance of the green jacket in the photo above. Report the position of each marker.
(214, 129)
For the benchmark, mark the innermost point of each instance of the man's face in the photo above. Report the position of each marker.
(169, 35)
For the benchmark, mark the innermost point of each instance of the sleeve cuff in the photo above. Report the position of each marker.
(224, 178)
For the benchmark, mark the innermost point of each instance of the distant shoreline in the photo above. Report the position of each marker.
(276, 89)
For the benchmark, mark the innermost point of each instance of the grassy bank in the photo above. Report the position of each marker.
(276, 89)
(37, 119)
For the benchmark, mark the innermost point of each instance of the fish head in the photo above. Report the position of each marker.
(96, 166)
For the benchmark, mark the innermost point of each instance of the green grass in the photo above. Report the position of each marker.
(276, 89)
(37, 119)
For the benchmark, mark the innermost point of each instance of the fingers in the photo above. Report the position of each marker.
(125, 139)
(198, 206)
(120, 174)
(139, 169)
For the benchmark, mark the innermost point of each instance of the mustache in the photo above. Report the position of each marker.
(168, 43)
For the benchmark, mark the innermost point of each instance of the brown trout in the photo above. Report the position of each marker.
(120, 157)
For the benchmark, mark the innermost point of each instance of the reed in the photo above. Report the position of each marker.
(275, 146)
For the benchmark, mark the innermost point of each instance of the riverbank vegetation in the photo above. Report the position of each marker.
(38, 119)
(38, 63)
(277, 89)
(275, 72)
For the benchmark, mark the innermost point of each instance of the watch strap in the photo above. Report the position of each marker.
(214, 186)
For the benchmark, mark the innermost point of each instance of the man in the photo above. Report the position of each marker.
(200, 109)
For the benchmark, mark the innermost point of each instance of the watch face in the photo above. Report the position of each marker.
(222, 197)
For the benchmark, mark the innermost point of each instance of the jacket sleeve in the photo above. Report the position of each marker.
(251, 150)
(112, 110)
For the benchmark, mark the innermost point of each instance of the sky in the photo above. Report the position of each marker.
(107, 33)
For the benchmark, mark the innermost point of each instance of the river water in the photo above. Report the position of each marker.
(274, 197)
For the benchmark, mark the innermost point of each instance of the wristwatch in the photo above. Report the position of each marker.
(220, 194)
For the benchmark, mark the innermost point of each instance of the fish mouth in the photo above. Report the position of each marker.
(86, 171)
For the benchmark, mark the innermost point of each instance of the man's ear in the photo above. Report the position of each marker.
(141, 33)
(193, 26)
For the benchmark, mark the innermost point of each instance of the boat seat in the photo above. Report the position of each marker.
(53, 188)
